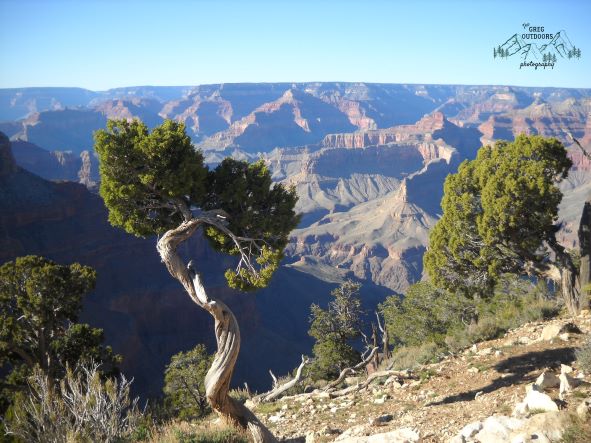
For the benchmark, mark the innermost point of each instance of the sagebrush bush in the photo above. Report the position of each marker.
(226, 435)
(81, 407)
(183, 432)
(583, 355)
(409, 357)
(432, 322)
(240, 394)
(577, 430)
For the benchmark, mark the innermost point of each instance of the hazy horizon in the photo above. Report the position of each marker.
(294, 83)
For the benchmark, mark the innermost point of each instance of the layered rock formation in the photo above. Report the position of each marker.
(550, 119)
(57, 165)
(295, 119)
(368, 162)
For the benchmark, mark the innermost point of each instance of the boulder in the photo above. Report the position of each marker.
(535, 401)
(485, 351)
(402, 435)
(584, 408)
(355, 431)
(547, 380)
(565, 369)
(552, 331)
(381, 420)
(532, 386)
(567, 384)
(544, 427)
(470, 430)
(497, 429)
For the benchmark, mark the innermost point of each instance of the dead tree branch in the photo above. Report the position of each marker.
(359, 386)
(349, 371)
(280, 389)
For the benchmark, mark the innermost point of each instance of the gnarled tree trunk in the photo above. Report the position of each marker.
(570, 293)
(585, 246)
(385, 337)
(227, 332)
(565, 274)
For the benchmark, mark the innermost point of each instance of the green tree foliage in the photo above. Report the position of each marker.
(428, 321)
(147, 177)
(39, 306)
(334, 328)
(424, 314)
(184, 387)
(152, 182)
(499, 214)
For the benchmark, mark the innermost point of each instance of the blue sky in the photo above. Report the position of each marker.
(105, 44)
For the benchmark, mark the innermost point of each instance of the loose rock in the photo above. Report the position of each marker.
(382, 420)
(552, 331)
(547, 380)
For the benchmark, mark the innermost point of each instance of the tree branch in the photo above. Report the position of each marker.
(370, 378)
(352, 370)
(278, 390)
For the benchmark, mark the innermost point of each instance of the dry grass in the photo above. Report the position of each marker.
(202, 432)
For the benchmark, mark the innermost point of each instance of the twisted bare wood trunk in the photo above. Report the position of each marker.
(385, 337)
(585, 246)
(280, 389)
(359, 386)
(570, 293)
(227, 332)
(349, 371)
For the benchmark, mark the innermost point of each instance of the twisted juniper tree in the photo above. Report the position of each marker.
(500, 214)
(157, 183)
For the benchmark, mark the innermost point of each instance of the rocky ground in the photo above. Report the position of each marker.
(519, 388)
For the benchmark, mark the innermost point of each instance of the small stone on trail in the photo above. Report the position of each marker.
(382, 420)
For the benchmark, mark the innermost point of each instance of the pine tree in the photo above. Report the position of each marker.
(39, 306)
(184, 383)
(334, 328)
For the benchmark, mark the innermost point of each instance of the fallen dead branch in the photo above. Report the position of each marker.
(280, 389)
(349, 371)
